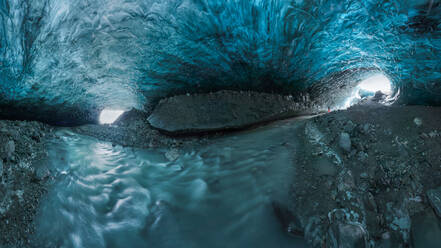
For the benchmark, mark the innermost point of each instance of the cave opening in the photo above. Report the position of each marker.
(378, 82)
(109, 116)
(209, 123)
(378, 85)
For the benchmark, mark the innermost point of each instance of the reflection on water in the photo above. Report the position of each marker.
(217, 195)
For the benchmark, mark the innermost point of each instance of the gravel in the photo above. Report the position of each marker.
(386, 163)
(23, 148)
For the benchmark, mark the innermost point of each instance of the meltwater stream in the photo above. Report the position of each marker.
(217, 195)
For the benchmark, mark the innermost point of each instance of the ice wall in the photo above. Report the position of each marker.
(104, 53)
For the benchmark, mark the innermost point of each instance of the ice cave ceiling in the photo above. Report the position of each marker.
(85, 55)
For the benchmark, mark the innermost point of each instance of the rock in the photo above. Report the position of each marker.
(9, 148)
(434, 196)
(385, 235)
(366, 128)
(433, 134)
(347, 235)
(370, 202)
(362, 156)
(345, 181)
(426, 232)
(345, 142)
(172, 154)
(388, 132)
(315, 232)
(353, 152)
(398, 219)
(378, 97)
(349, 127)
(388, 241)
(418, 121)
(324, 167)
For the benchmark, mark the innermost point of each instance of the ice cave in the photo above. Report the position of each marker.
(220, 123)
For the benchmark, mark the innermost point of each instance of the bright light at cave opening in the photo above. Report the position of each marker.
(109, 116)
(376, 83)
(368, 87)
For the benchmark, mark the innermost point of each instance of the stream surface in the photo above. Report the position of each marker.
(216, 195)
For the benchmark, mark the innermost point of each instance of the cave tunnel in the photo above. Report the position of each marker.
(206, 123)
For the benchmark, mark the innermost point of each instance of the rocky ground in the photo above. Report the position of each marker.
(24, 179)
(22, 183)
(369, 176)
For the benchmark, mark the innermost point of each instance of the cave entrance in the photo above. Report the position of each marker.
(373, 84)
(109, 116)
(377, 85)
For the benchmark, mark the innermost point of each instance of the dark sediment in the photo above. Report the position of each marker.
(368, 176)
(22, 181)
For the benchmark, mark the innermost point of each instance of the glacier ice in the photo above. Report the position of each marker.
(92, 54)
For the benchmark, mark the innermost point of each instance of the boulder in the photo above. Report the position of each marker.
(418, 122)
(347, 235)
(345, 142)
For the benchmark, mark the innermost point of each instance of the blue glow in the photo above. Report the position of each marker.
(124, 53)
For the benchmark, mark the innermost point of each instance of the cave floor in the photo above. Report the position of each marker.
(368, 176)
(364, 176)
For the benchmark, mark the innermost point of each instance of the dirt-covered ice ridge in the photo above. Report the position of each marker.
(226, 110)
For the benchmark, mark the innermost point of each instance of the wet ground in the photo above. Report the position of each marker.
(216, 195)
(365, 177)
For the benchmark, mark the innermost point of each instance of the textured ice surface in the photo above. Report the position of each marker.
(122, 53)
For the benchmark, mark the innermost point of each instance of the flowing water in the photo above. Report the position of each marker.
(216, 195)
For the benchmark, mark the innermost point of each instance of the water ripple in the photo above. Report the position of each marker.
(212, 196)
